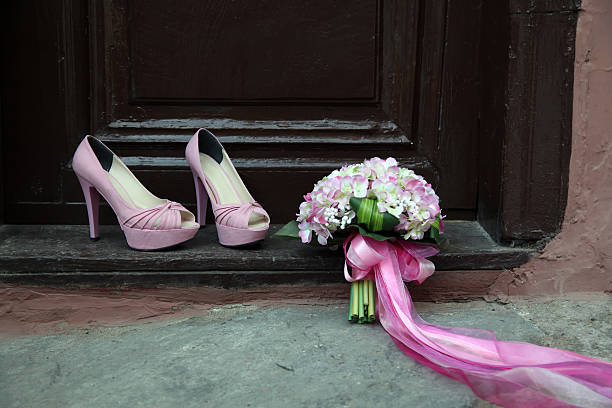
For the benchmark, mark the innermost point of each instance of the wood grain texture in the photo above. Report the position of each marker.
(399, 44)
(30, 253)
(349, 131)
(543, 6)
(222, 52)
(356, 99)
(75, 74)
(448, 107)
(241, 287)
(540, 94)
(527, 67)
(33, 147)
(45, 92)
(258, 174)
(456, 149)
(494, 77)
(475, 97)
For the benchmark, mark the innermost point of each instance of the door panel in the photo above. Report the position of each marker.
(231, 52)
(293, 89)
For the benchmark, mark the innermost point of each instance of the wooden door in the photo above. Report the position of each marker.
(293, 89)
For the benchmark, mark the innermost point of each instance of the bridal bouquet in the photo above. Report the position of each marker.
(376, 199)
(389, 219)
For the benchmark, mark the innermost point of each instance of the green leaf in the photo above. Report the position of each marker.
(434, 231)
(377, 236)
(367, 214)
(291, 229)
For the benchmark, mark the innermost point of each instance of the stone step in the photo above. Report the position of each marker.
(63, 255)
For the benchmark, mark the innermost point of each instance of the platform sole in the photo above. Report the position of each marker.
(235, 237)
(146, 240)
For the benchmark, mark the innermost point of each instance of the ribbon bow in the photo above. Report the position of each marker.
(365, 253)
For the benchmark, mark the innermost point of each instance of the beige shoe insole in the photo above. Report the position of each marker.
(222, 177)
(135, 194)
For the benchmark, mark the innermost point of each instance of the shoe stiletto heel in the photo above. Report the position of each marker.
(201, 200)
(92, 200)
(148, 222)
(240, 220)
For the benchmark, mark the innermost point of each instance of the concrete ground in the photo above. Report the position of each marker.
(274, 356)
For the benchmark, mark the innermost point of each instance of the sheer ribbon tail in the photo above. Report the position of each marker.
(510, 374)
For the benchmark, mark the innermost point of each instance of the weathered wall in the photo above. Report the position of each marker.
(579, 258)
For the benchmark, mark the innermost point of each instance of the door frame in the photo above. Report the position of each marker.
(526, 83)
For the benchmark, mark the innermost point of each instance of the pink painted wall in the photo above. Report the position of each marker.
(579, 258)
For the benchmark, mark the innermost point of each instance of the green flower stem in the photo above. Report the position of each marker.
(361, 311)
(361, 303)
(350, 308)
(366, 298)
(355, 305)
(371, 312)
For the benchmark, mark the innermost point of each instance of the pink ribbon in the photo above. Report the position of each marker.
(509, 374)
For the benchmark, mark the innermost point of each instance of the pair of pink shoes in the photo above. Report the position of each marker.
(149, 222)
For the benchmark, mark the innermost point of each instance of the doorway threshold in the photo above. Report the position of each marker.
(64, 256)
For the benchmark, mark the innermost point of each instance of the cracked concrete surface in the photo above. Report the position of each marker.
(274, 356)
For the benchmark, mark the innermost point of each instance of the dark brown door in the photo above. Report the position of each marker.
(293, 89)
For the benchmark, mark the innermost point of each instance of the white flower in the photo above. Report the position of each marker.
(398, 191)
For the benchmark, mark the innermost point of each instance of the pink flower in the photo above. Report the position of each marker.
(305, 235)
(305, 231)
(360, 186)
(398, 191)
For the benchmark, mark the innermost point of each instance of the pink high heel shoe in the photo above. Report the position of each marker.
(239, 218)
(148, 222)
